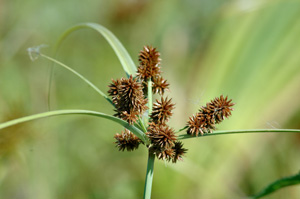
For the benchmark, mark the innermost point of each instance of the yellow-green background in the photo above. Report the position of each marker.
(246, 49)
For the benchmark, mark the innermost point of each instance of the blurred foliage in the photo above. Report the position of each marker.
(246, 49)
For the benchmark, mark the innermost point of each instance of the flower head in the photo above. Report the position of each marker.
(128, 98)
(222, 108)
(179, 151)
(162, 110)
(213, 113)
(149, 63)
(161, 135)
(161, 153)
(127, 140)
(200, 123)
(159, 85)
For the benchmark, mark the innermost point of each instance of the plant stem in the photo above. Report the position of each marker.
(78, 75)
(150, 96)
(131, 128)
(149, 176)
(227, 132)
(182, 129)
(125, 59)
(142, 125)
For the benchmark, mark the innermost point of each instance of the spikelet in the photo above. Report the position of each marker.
(208, 116)
(162, 110)
(149, 63)
(127, 140)
(128, 98)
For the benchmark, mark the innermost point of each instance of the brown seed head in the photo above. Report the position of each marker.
(198, 124)
(159, 85)
(213, 113)
(179, 151)
(161, 136)
(161, 153)
(128, 98)
(149, 63)
(127, 140)
(222, 108)
(162, 110)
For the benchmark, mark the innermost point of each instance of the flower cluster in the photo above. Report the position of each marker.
(127, 140)
(213, 113)
(164, 143)
(149, 70)
(162, 111)
(129, 97)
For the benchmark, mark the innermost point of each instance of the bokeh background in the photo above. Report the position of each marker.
(246, 49)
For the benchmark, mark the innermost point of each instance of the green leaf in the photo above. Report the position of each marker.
(227, 132)
(125, 59)
(74, 72)
(284, 182)
(131, 128)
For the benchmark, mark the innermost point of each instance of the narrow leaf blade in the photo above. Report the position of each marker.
(284, 182)
(132, 128)
(125, 59)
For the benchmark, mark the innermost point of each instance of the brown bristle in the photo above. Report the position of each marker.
(127, 140)
(149, 63)
(162, 110)
(128, 98)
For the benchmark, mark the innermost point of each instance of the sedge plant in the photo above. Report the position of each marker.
(145, 121)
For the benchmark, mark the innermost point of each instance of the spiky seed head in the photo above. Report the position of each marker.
(161, 135)
(207, 122)
(128, 98)
(200, 123)
(179, 151)
(208, 116)
(222, 108)
(194, 124)
(127, 140)
(162, 153)
(162, 110)
(114, 90)
(149, 63)
(159, 85)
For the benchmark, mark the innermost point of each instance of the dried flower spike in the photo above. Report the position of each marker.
(161, 135)
(162, 110)
(213, 113)
(179, 151)
(149, 63)
(128, 98)
(200, 123)
(222, 108)
(159, 85)
(127, 140)
(162, 154)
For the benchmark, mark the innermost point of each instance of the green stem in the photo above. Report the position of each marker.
(227, 132)
(149, 176)
(125, 59)
(78, 75)
(182, 129)
(142, 125)
(150, 96)
(132, 128)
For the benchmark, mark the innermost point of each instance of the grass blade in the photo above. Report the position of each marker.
(186, 136)
(149, 176)
(278, 184)
(78, 75)
(125, 59)
(131, 128)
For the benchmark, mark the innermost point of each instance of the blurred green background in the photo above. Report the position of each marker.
(246, 49)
